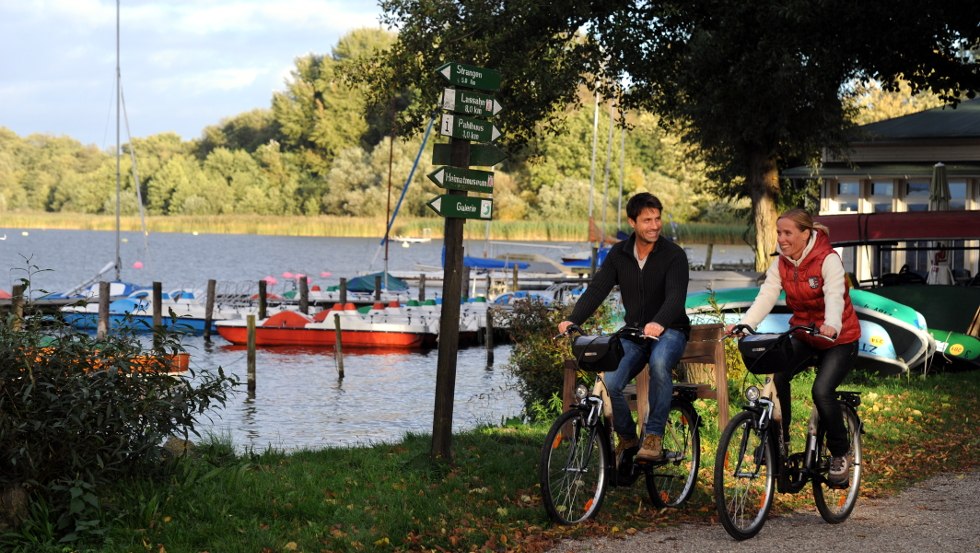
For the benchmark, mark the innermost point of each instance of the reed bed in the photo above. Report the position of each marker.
(354, 227)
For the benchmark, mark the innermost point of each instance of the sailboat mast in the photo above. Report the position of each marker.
(118, 156)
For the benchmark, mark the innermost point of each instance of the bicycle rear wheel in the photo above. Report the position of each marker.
(573, 468)
(744, 478)
(835, 503)
(671, 483)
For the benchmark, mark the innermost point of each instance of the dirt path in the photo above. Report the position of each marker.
(939, 514)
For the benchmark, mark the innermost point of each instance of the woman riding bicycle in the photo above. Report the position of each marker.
(812, 274)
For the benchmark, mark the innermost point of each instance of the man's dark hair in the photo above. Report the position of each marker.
(641, 201)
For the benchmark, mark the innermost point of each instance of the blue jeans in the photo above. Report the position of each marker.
(661, 356)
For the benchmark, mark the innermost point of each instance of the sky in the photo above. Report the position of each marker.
(185, 64)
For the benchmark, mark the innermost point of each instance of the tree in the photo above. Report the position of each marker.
(750, 84)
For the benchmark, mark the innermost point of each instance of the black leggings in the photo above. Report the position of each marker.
(832, 366)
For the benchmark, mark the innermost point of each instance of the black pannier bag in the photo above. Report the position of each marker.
(766, 353)
(598, 353)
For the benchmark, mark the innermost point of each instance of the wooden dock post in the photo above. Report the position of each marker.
(466, 283)
(102, 329)
(488, 336)
(377, 287)
(707, 257)
(18, 306)
(338, 352)
(250, 356)
(209, 310)
(515, 278)
(343, 290)
(262, 297)
(157, 315)
(304, 295)
(422, 288)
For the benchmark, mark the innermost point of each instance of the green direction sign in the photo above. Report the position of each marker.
(462, 207)
(468, 128)
(470, 103)
(470, 76)
(455, 178)
(482, 155)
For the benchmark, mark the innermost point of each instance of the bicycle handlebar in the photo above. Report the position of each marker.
(811, 329)
(625, 331)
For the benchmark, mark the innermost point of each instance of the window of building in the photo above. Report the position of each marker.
(882, 194)
(917, 195)
(847, 195)
(957, 194)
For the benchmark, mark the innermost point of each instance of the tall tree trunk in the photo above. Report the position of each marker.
(763, 189)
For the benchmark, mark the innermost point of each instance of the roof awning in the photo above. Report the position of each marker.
(880, 170)
(865, 228)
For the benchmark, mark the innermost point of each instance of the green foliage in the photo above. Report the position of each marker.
(749, 86)
(538, 357)
(78, 414)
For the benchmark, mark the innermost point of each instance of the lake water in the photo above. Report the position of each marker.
(300, 402)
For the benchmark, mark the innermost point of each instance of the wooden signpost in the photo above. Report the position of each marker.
(463, 123)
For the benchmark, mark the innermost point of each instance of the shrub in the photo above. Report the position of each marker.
(77, 414)
(538, 359)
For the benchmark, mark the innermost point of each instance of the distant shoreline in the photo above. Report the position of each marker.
(346, 227)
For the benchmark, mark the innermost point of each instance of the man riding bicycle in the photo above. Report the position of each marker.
(652, 275)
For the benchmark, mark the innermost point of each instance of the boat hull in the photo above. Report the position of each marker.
(324, 337)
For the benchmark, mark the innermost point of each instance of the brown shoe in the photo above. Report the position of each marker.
(652, 449)
(626, 443)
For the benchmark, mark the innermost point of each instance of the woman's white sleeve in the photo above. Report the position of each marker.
(833, 291)
(766, 300)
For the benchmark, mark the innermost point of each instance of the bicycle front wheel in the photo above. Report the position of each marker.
(573, 468)
(671, 484)
(744, 478)
(835, 502)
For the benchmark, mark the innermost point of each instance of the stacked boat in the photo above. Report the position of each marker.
(894, 337)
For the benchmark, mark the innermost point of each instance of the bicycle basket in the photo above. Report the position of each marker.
(597, 353)
(766, 353)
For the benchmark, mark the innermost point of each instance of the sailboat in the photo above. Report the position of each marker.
(89, 290)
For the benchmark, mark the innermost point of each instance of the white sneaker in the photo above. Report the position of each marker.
(838, 470)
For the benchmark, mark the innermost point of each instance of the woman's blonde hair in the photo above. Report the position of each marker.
(803, 220)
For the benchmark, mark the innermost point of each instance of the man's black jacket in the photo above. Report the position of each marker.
(655, 294)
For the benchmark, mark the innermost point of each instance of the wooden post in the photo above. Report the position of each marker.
(102, 330)
(343, 290)
(488, 336)
(209, 310)
(422, 288)
(707, 257)
(338, 351)
(304, 295)
(466, 283)
(442, 414)
(262, 296)
(157, 315)
(514, 289)
(489, 286)
(377, 288)
(250, 356)
(18, 306)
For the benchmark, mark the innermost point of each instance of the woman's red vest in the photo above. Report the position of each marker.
(804, 295)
